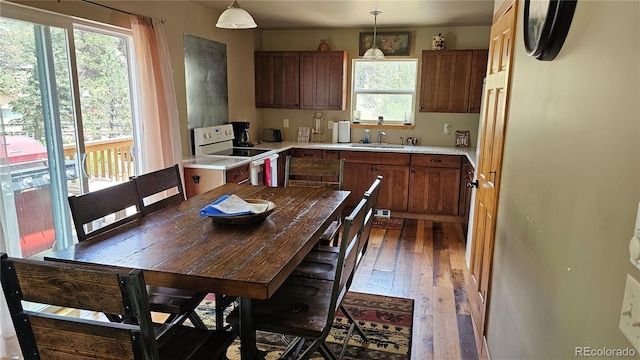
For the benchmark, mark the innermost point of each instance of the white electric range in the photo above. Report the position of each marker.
(214, 145)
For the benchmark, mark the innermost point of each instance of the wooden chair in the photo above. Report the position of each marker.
(305, 307)
(159, 189)
(60, 336)
(320, 263)
(88, 208)
(329, 173)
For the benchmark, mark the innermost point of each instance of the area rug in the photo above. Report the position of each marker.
(387, 322)
(387, 223)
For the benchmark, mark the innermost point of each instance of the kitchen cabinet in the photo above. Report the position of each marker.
(238, 175)
(361, 169)
(322, 80)
(277, 77)
(282, 162)
(301, 80)
(198, 181)
(466, 177)
(451, 80)
(434, 184)
(478, 73)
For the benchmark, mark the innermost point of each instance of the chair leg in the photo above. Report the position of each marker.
(354, 323)
(327, 353)
(196, 321)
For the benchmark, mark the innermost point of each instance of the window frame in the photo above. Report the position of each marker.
(387, 122)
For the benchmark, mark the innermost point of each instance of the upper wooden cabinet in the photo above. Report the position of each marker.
(277, 79)
(452, 80)
(301, 80)
(322, 80)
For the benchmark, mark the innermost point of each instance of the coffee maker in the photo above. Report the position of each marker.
(241, 134)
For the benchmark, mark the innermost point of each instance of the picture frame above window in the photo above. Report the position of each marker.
(391, 43)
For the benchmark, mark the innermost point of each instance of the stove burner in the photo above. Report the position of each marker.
(244, 152)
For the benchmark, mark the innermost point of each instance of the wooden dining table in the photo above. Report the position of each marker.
(177, 247)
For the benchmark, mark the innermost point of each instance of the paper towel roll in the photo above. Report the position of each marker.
(344, 131)
(334, 132)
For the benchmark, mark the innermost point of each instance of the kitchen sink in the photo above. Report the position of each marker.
(378, 145)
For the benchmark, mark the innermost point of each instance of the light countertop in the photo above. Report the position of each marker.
(224, 163)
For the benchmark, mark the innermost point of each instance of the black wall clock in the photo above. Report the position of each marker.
(546, 25)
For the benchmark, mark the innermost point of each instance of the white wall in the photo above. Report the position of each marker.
(570, 190)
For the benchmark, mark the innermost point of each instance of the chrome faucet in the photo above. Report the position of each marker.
(380, 135)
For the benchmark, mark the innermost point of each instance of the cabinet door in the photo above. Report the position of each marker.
(393, 190)
(434, 190)
(357, 179)
(446, 75)
(322, 80)
(478, 73)
(277, 76)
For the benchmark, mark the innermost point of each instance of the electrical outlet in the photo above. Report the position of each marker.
(383, 213)
(630, 314)
(330, 125)
(447, 129)
(285, 123)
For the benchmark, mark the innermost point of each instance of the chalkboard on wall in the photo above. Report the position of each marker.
(205, 63)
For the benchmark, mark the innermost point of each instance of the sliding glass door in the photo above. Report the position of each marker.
(67, 123)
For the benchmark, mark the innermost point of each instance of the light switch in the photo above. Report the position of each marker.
(630, 313)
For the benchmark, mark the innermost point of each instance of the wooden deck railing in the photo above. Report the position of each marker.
(107, 159)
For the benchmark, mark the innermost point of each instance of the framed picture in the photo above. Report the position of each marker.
(391, 43)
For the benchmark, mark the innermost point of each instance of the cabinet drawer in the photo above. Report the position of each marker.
(238, 175)
(445, 161)
(377, 158)
(307, 153)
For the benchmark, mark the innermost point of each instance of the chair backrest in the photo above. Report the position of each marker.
(159, 189)
(115, 200)
(348, 255)
(57, 336)
(330, 172)
(372, 200)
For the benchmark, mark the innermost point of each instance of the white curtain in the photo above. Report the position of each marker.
(9, 244)
(160, 127)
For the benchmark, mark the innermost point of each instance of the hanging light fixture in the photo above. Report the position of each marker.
(235, 17)
(374, 53)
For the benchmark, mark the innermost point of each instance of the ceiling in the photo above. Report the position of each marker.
(319, 14)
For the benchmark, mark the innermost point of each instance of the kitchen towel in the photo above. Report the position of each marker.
(267, 172)
(344, 131)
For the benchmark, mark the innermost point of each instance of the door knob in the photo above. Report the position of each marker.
(472, 184)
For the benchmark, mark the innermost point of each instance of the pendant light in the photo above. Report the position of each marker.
(374, 53)
(235, 17)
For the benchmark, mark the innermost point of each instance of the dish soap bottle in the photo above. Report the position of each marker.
(366, 136)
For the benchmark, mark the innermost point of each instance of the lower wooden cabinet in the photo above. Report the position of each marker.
(416, 183)
(434, 184)
(361, 169)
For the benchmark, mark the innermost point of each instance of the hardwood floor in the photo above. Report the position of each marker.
(424, 261)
